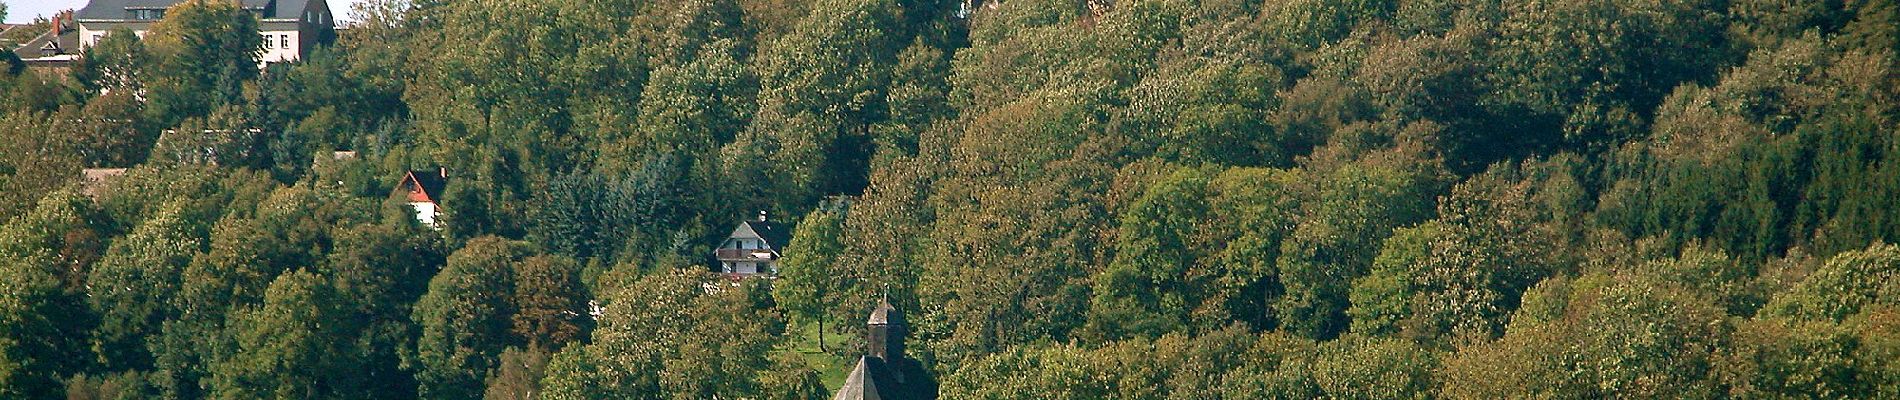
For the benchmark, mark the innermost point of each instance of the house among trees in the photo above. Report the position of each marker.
(423, 190)
(752, 249)
(884, 372)
(289, 27)
(53, 50)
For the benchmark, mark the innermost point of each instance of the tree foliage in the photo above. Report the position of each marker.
(464, 319)
(809, 286)
(1137, 199)
(666, 335)
(201, 55)
(44, 317)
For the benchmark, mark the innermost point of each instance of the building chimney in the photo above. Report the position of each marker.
(443, 172)
(761, 215)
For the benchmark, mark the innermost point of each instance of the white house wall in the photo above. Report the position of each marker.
(425, 212)
(89, 33)
(281, 46)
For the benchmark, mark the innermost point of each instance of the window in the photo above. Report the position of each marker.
(285, 41)
(268, 43)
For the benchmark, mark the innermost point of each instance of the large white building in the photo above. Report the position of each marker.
(289, 27)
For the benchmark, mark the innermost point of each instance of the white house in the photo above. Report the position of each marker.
(423, 189)
(289, 27)
(752, 249)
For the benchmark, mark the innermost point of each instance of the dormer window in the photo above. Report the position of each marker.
(148, 14)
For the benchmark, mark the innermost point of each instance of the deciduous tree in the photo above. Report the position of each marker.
(202, 53)
(810, 284)
(464, 319)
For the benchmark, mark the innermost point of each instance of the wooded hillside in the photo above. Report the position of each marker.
(1131, 199)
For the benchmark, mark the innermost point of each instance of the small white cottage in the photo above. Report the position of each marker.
(752, 249)
(423, 189)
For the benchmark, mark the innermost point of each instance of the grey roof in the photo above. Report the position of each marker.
(885, 314)
(861, 384)
(69, 41)
(63, 39)
(149, 3)
(116, 9)
(775, 236)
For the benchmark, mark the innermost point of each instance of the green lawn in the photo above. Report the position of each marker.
(804, 343)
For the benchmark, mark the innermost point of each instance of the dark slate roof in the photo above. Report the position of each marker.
(69, 42)
(286, 9)
(862, 383)
(877, 378)
(885, 314)
(64, 43)
(116, 9)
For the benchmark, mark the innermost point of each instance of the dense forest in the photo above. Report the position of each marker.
(1137, 199)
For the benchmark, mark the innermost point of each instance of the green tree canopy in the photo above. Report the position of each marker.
(464, 318)
(134, 286)
(666, 335)
(292, 346)
(810, 285)
(202, 52)
(45, 320)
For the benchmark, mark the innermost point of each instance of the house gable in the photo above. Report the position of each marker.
(744, 231)
(423, 186)
(752, 248)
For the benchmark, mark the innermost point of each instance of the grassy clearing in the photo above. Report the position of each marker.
(803, 342)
